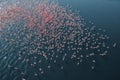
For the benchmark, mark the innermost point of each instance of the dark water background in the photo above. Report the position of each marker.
(104, 14)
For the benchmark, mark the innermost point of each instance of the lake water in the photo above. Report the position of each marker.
(104, 14)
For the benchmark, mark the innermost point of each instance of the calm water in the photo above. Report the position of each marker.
(104, 14)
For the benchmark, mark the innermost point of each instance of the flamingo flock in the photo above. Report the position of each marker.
(43, 35)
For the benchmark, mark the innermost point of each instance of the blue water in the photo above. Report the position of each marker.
(104, 14)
